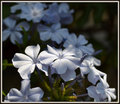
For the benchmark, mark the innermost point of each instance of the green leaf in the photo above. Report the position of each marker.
(6, 64)
(4, 93)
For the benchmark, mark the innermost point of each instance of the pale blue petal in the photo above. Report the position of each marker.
(111, 94)
(20, 59)
(15, 92)
(14, 8)
(43, 68)
(56, 37)
(35, 94)
(16, 36)
(60, 66)
(63, 7)
(9, 22)
(66, 18)
(26, 70)
(93, 76)
(81, 40)
(68, 76)
(71, 40)
(25, 16)
(5, 34)
(45, 35)
(92, 93)
(51, 14)
(56, 26)
(70, 64)
(47, 58)
(63, 32)
(32, 51)
(52, 50)
(25, 86)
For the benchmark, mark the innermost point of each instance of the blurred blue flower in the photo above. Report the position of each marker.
(55, 32)
(26, 94)
(65, 13)
(34, 12)
(19, 6)
(13, 30)
(58, 13)
(79, 43)
(51, 14)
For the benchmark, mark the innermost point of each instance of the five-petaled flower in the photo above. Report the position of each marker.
(79, 43)
(33, 12)
(26, 63)
(26, 94)
(13, 30)
(64, 62)
(55, 32)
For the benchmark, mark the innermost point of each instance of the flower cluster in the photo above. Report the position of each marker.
(75, 53)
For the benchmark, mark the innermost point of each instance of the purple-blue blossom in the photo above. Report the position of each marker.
(80, 43)
(14, 31)
(54, 32)
(34, 12)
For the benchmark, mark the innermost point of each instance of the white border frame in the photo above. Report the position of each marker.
(68, 2)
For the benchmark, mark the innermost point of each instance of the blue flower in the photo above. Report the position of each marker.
(27, 63)
(65, 13)
(58, 13)
(33, 12)
(26, 94)
(55, 32)
(88, 67)
(101, 92)
(79, 43)
(19, 6)
(13, 30)
(63, 62)
(51, 14)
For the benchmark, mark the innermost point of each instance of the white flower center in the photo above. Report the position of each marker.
(36, 12)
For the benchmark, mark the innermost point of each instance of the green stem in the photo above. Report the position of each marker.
(9, 64)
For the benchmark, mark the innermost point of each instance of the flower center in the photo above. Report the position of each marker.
(36, 12)
(35, 61)
(77, 45)
(60, 55)
(52, 30)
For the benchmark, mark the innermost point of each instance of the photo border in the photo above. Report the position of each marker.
(86, 1)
